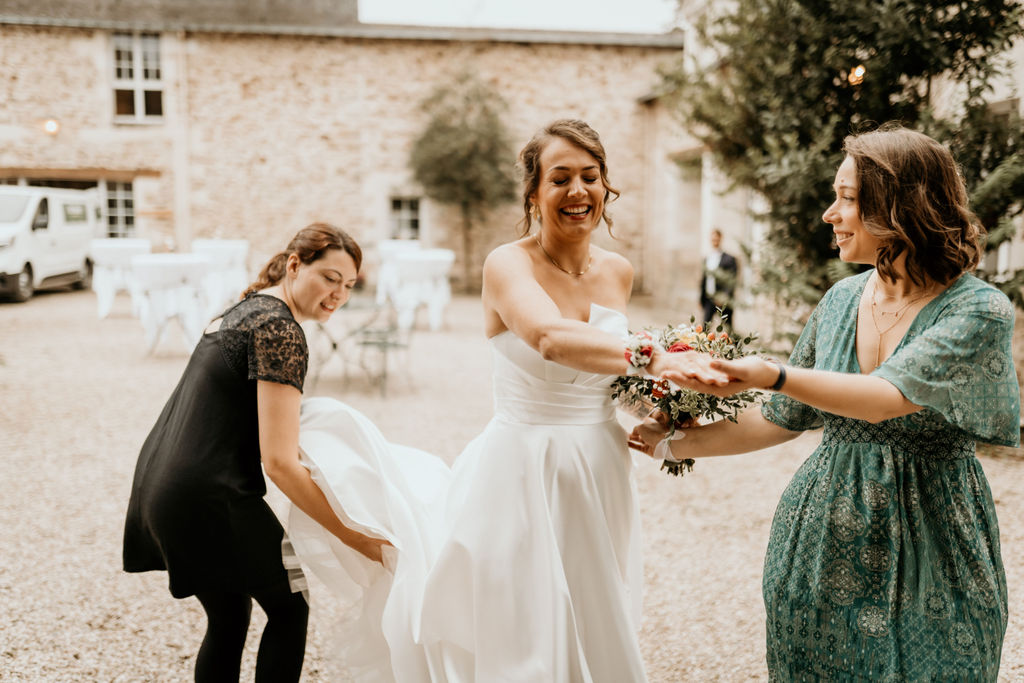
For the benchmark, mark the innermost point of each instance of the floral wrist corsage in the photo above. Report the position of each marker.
(640, 348)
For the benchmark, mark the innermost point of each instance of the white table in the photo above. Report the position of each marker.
(172, 286)
(229, 272)
(112, 269)
(387, 274)
(421, 278)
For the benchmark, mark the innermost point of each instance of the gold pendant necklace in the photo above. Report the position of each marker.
(897, 316)
(590, 260)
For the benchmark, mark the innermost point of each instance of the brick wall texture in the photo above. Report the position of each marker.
(263, 134)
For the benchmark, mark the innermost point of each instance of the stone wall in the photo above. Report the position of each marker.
(263, 133)
(322, 128)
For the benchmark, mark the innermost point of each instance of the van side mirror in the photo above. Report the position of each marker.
(42, 218)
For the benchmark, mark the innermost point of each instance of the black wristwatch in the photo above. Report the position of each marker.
(782, 375)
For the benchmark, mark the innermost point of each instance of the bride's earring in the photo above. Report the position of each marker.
(536, 213)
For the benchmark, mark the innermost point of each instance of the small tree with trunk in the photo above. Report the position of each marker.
(464, 157)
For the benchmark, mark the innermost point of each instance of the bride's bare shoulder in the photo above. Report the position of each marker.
(614, 263)
(511, 255)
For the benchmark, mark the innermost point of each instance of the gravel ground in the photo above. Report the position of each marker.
(78, 397)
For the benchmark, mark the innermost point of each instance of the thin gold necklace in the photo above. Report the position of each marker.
(897, 316)
(590, 260)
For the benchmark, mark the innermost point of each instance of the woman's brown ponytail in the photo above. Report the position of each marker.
(270, 275)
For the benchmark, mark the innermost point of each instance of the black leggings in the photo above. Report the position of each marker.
(282, 646)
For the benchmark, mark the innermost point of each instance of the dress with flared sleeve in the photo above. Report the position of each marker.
(883, 562)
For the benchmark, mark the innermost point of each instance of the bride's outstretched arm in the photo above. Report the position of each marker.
(278, 408)
(511, 292)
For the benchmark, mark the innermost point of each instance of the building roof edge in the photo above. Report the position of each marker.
(673, 40)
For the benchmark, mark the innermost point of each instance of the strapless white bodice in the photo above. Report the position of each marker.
(531, 390)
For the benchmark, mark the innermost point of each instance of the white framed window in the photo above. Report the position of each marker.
(120, 210)
(137, 78)
(75, 213)
(405, 218)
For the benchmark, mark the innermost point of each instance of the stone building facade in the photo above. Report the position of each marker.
(238, 123)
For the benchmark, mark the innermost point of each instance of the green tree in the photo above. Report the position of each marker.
(464, 156)
(786, 80)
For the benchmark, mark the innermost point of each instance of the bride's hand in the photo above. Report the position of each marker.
(692, 367)
(646, 434)
(750, 372)
(371, 547)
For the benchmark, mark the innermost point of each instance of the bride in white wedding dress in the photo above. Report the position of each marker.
(522, 562)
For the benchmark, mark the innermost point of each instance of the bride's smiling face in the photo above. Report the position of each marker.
(570, 194)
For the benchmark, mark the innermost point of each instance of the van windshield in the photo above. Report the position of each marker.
(11, 208)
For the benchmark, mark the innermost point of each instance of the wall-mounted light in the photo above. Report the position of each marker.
(51, 126)
(856, 76)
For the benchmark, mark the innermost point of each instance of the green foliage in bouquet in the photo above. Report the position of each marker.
(641, 395)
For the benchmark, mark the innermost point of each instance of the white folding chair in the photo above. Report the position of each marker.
(422, 280)
(112, 270)
(387, 275)
(171, 286)
(229, 272)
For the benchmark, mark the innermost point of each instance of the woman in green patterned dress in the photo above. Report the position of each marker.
(884, 562)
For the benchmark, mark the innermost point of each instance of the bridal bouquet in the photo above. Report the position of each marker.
(641, 395)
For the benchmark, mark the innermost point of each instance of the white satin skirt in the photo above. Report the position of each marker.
(521, 563)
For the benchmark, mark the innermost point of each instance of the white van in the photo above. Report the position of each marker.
(44, 238)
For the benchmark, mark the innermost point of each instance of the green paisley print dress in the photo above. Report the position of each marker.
(883, 562)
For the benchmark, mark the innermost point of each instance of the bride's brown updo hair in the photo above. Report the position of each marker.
(577, 133)
(309, 244)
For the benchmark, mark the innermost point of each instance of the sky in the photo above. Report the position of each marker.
(627, 16)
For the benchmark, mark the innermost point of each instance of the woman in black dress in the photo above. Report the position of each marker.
(197, 508)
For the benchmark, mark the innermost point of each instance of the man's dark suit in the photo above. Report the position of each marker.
(725, 286)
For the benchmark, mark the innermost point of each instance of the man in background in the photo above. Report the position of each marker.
(718, 282)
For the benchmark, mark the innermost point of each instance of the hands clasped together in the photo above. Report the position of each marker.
(702, 373)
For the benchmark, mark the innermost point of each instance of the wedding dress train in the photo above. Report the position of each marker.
(521, 563)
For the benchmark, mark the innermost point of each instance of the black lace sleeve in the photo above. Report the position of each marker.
(278, 353)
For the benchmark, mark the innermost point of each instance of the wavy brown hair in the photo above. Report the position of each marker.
(913, 198)
(577, 133)
(309, 244)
